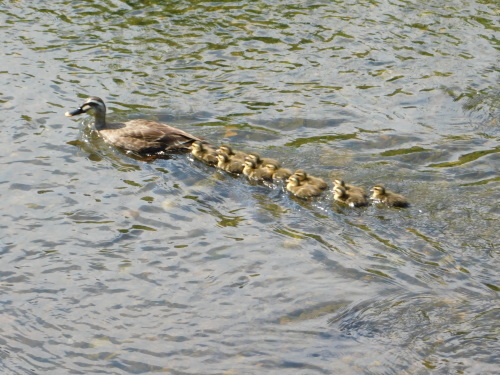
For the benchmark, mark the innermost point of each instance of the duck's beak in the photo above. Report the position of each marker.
(77, 111)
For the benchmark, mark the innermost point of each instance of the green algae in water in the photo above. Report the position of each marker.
(404, 151)
(465, 158)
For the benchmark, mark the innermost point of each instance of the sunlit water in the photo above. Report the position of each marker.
(110, 264)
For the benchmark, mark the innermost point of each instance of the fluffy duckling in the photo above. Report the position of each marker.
(382, 195)
(352, 198)
(276, 172)
(251, 170)
(204, 153)
(228, 165)
(349, 188)
(141, 136)
(231, 153)
(258, 160)
(295, 187)
(304, 178)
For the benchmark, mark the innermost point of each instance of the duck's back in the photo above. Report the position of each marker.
(145, 136)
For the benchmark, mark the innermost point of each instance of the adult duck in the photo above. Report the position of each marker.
(140, 136)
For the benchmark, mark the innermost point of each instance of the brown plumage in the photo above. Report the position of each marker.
(258, 160)
(204, 153)
(382, 195)
(352, 198)
(276, 172)
(228, 165)
(253, 172)
(231, 153)
(141, 136)
(349, 188)
(304, 178)
(295, 187)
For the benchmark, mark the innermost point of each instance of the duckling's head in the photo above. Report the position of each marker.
(293, 180)
(223, 157)
(92, 104)
(301, 174)
(197, 146)
(255, 157)
(225, 149)
(250, 164)
(272, 166)
(378, 189)
(339, 191)
(339, 182)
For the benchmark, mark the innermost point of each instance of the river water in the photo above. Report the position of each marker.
(111, 264)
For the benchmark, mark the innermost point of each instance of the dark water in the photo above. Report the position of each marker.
(114, 265)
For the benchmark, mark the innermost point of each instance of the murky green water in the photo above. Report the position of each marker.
(115, 265)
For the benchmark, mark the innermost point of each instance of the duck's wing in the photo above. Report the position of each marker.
(149, 136)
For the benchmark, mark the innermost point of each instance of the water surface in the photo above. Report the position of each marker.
(112, 264)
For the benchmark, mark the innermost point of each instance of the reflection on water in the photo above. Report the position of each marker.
(116, 264)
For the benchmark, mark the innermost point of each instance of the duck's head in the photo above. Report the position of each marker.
(255, 157)
(225, 149)
(222, 157)
(301, 174)
(293, 180)
(92, 104)
(197, 146)
(378, 189)
(250, 164)
(338, 182)
(339, 191)
(272, 167)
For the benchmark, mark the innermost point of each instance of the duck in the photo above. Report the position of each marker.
(390, 198)
(231, 153)
(300, 190)
(228, 165)
(348, 187)
(204, 153)
(304, 178)
(258, 160)
(139, 136)
(276, 172)
(252, 171)
(352, 198)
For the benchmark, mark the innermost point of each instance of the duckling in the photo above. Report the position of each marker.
(232, 153)
(381, 195)
(204, 153)
(141, 136)
(352, 198)
(228, 165)
(304, 178)
(251, 170)
(349, 188)
(258, 160)
(295, 187)
(276, 172)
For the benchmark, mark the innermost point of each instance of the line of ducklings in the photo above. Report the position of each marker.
(299, 183)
